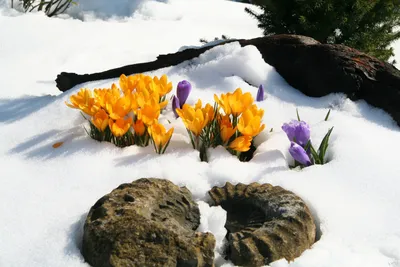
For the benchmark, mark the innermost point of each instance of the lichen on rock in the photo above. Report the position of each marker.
(265, 223)
(149, 222)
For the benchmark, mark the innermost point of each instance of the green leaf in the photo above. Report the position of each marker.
(86, 131)
(83, 116)
(308, 145)
(298, 116)
(324, 146)
(315, 155)
(165, 147)
(191, 138)
(327, 115)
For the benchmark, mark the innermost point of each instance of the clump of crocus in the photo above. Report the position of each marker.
(182, 93)
(240, 122)
(123, 115)
(160, 137)
(260, 93)
(301, 148)
(198, 121)
(232, 122)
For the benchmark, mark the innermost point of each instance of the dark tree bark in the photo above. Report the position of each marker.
(265, 45)
(313, 68)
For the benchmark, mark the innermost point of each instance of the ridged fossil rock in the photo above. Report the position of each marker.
(265, 223)
(149, 222)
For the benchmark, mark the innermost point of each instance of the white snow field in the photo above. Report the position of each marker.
(45, 193)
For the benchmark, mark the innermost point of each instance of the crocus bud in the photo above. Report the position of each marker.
(299, 154)
(260, 93)
(182, 91)
(175, 105)
(298, 131)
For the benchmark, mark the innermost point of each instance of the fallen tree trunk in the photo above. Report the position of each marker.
(313, 68)
(265, 45)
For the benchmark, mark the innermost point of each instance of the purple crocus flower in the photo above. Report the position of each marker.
(182, 91)
(175, 105)
(298, 131)
(299, 154)
(260, 93)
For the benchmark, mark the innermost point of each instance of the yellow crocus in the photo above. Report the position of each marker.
(114, 91)
(143, 97)
(144, 83)
(226, 128)
(100, 120)
(194, 119)
(208, 112)
(149, 113)
(128, 84)
(239, 102)
(108, 96)
(139, 99)
(163, 86)
(84, 101)
(256, 111)
(241, 144)
(224, 120)
(198, 105)
(140, 86)
(223, 102)
(152, 86)
(227, 132)
(163, 104)
(118, 108)
(160, 136)
(139, 127)
(100, 96)
(234, 103)
(120, 126)
(250, 124)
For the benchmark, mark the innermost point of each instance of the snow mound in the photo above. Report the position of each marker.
(105, 9)
(45, 193)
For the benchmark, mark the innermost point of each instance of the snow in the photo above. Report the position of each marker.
(396, 47)
(46, 192)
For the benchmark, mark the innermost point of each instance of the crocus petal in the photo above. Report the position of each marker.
(260, 93)
(302, 133)
(175, 105)
(120, 126)
(183, 90)
(226, 133)
(100, 120)
(241, 143)
(289, 129)
(299, 154)
(139, 127)
(298, 131)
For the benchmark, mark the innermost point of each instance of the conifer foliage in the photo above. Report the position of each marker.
(367, 25)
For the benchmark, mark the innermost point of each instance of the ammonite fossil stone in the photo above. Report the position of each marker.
(149, 222)
(265, 223)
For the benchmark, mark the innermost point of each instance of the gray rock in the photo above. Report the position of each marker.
(149, 222)
(265, 223)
